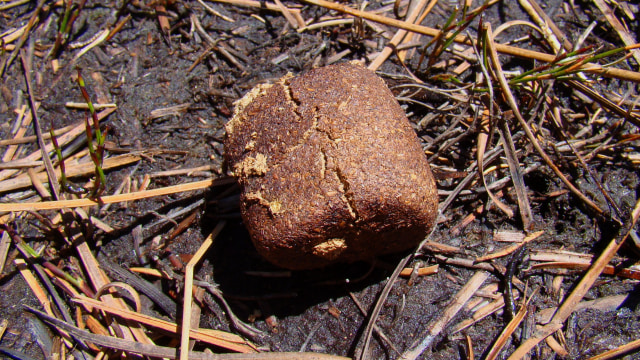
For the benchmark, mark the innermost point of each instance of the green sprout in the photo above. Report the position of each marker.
(442, 41)
(64, 182)
(567, 64)
(96, 152)
(70, 15)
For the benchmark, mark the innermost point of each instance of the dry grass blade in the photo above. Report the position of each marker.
(483, 138)
(412, 37)
(214, 12)
(170, 352)
(99, 280)
(514, 107)
(35, 287)
(62, 141)
(483, 312)
(423, 271)
(27, 139)
(459, 300)
(152, 292)
(3, 326)
(19, 128)
(516, 172)
(625, 35)
(379, 304)
(110, 199)
(33, 20)
(188, 289)
(52, 177)
(5, 242)
(214, 337)
(510, 249)
(397, 38)
(605, 103)
(499, 344)
(13, 4)
(608, 303)
(569, 304)
(619, 351)
(81, 169)
(258, 4)
(469, 347)
(558, 266)
(287, 14)
(543, 20)
(505, 49)
(98, 39)
(544, 24)
(376, 328)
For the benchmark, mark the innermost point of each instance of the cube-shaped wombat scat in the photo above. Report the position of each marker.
(330, 169)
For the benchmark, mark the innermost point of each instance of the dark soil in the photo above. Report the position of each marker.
(143, 68)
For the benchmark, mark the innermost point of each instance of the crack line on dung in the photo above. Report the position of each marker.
(323, 166)
(296, 104)
(348, 197)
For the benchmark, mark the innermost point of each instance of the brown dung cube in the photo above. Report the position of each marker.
(330, 169)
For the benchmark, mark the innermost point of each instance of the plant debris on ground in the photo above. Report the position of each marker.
(121, 234)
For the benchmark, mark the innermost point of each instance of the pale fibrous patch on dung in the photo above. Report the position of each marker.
(275, 207)
(330, 169)
(251, 166)
(241, 104)
(330, 249)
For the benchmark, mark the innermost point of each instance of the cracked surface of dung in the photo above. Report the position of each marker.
(339, 160)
